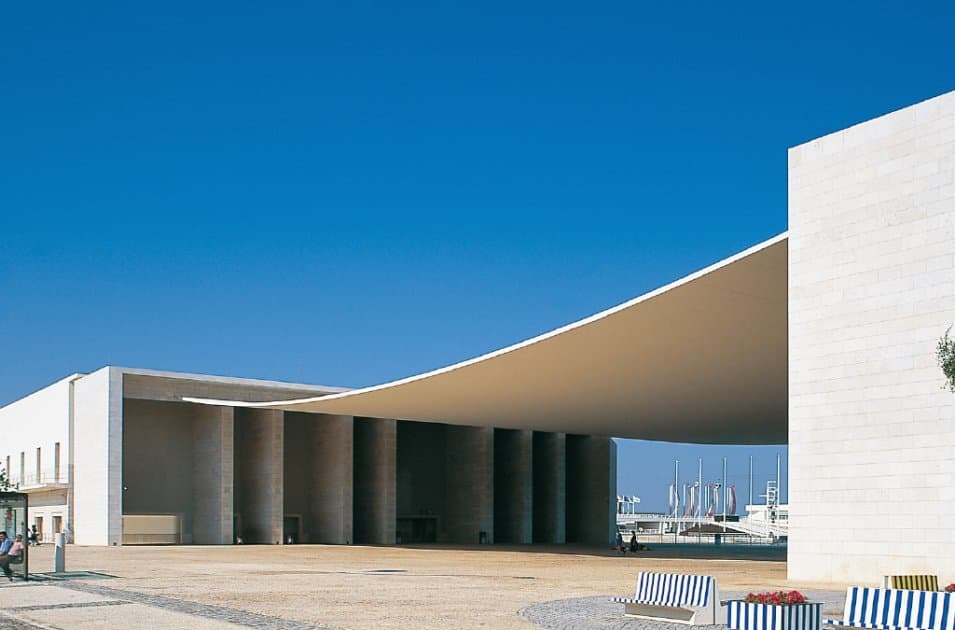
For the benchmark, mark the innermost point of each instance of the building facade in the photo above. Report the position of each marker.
(871, 290)
(116, 457)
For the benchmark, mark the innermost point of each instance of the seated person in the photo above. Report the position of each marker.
(10, 553)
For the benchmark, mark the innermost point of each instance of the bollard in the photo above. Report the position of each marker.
(59, 554)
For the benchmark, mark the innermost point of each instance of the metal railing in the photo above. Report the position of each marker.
(44, 478)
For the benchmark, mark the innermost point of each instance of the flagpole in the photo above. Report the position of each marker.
(725, 486)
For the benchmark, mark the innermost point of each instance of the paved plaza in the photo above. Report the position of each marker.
(303, 586)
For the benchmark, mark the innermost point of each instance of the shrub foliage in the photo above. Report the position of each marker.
(945, 351)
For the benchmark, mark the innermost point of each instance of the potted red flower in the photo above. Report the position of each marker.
(774, 610)
(950, 588)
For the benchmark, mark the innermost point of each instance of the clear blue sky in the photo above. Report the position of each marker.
(345, 194)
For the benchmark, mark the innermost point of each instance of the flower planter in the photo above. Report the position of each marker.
(742, 615)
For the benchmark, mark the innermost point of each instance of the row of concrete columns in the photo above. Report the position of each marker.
(337, 476)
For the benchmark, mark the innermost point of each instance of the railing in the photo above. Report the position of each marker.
(33, 480)
(762, 529)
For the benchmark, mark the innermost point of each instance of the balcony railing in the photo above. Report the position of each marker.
(43, 479)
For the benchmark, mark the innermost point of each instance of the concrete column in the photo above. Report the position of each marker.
(332, 477)
(469, 484)
(212, 503)
(513, 486)
(96, 437)
(259, 473)
(591, 489)
(550, 488)
(375, 480)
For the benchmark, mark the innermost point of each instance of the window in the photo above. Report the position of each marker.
(56, 462)
(23, 465)
(38, 468)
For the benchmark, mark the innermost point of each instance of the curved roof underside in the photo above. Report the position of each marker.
(703, 359)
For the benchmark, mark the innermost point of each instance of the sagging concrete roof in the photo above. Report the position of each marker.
(703, 359)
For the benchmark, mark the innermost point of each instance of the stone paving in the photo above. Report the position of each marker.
(216, 613)
(50, 602)
(600, 613)
(9, 622)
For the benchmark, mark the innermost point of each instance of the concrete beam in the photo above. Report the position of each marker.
(332, 478)
(469, 484)
(591, 489)
(550, 487)
(376, 443)
(259, 474)
(513, 486)
(212, 475)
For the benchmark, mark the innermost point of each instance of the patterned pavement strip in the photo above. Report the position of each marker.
(586, 613)
(9, 622)
(14, 609)
(217, 613)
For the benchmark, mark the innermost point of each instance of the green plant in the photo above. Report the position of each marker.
(945, 351)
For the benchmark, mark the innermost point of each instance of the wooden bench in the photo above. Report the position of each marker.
(911, 582)
(688, 599)
(896, 609)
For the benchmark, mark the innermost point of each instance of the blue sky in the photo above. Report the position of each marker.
(350, 194)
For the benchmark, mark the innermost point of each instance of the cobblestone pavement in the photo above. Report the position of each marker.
(600, 613)
(216, 613)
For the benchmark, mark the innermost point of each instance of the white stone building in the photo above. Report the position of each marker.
(823, 336)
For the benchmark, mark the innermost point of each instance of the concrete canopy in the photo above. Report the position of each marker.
(703, 359)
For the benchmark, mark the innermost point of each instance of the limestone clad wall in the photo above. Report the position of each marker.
(871, 289)
(98, 458)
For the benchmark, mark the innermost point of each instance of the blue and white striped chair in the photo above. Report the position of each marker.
(895, 609)
(689, 599)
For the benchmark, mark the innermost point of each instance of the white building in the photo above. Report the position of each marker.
(823, 336)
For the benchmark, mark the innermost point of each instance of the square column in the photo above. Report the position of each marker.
(591, 489)
(96, 473)
(259, 474)
(469, 484)
(376, 443)
(550, 488)
(331, 477)
(212, 497)
(513, 486)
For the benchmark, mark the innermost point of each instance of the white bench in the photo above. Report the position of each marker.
(688, 599)
(895, 609)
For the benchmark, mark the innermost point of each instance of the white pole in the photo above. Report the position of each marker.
(725, 488)
(750, 479)
(779, 488)
(676, 497)
(59, 553)
(699, 503)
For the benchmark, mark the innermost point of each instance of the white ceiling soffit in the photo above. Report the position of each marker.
(703, 359)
